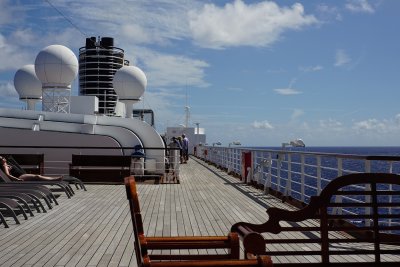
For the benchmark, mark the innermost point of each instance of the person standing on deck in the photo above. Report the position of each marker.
(174, 157)
(185, 148)
(180, 142)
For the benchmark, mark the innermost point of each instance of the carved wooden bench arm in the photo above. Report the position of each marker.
(330, 232)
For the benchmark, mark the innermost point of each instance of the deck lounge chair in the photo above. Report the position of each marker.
(38, 194)
(36, 191)
(37, 161)
(60, 185)
(11, 208)
(3, 220)
(28, 202)
(22, 199)
(73, 180)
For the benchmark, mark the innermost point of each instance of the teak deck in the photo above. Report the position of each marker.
(94, 228)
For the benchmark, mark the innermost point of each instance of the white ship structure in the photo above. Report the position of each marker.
(98, 120)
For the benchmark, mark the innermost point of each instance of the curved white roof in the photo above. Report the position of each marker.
(129, 83)
(27, 83)
(56, 64)
(127, 132)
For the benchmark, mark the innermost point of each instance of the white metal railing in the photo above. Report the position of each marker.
(301, 174)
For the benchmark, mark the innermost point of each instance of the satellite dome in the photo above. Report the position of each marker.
(56, 64)
(27, 83)
(129, 83)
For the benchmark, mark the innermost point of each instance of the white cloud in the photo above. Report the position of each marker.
(235, 89)
(384, 126)
(311, 68)
(262, 125)
(276, 71)
(287, 91)
(331, 125)
(68, 37)
(397, 119)
(164, 70)
(237, 24)
(138, 33)
(11, 12)
(159, 101)
(7, 89)
(297, 113)
(131, 23)
(139, 21)
(359, 6)
(371, 124)
(341, 58)
(12, 56)
(327, 12)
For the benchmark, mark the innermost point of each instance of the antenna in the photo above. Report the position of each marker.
(187, 116)
(187, 110)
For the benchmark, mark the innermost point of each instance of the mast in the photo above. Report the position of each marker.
(187, 111)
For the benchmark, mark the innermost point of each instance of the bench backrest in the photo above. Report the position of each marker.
(101, 160)
(352, 209)
(100, 168)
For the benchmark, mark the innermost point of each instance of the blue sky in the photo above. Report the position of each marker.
(261, 72)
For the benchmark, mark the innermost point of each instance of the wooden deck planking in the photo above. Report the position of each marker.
(33, 236)
(94, 228)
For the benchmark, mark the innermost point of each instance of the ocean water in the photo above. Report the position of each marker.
(328, 174)
(329, 165)
(348, 164)
(364, 150)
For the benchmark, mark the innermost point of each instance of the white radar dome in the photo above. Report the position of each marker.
(27, 83)
(56, 65)
(129, 83)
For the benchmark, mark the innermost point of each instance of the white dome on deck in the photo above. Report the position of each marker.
(129, 83)
(57, 65)
(27, 83)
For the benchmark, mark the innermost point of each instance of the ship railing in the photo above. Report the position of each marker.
(298, 175)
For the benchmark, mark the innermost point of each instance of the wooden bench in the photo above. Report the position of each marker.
(359, 236)
(31, 163)
(184, 244)
(100, 168)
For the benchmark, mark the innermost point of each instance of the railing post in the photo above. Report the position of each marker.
(220, 157)
(318, 175)
(390, 189)
(267, 184)
(302, 185)
(254, 172)
(368, 197)
(228, 159)
(339, 198)
(233, 159)
(231, 156)
(288, 188)
(278, 171)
